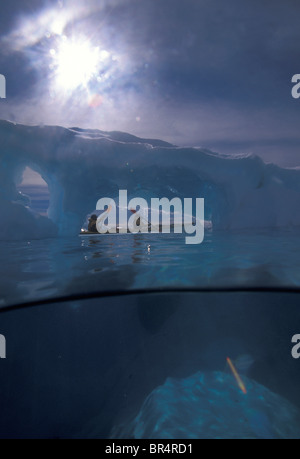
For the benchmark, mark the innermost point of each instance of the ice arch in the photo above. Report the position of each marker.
(18, 221)
(81, 166)
(36, 189)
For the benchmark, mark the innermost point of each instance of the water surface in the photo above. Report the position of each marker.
(43, 269)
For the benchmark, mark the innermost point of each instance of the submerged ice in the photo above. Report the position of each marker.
(82, 166)
(210, 406)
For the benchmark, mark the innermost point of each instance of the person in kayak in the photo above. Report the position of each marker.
(92, 228)
(138, 221)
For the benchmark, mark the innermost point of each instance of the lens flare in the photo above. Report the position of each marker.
(237, 376)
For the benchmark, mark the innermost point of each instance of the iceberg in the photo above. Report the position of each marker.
(209, 405)
(82, 166)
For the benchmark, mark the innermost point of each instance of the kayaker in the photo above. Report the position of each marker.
(93, 224)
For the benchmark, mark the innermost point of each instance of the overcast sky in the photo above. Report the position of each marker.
(211, 73)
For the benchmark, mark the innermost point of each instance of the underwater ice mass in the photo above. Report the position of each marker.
(81, 166)
(212, 408)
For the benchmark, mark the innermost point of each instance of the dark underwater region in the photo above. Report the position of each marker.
(152, 366)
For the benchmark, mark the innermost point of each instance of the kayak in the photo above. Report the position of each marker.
(161, 227)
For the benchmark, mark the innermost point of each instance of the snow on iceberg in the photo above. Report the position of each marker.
(82, 166)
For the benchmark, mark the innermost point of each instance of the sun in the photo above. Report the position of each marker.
(75, 63)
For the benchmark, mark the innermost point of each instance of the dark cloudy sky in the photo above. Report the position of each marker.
(211, 73)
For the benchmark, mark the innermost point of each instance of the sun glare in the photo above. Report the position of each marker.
(76, 63)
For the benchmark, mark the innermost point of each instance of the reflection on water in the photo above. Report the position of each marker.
(51, 268)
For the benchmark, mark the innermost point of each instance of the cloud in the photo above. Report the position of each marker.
(210, 73)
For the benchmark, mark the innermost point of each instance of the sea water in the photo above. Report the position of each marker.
(43, 269)
(143, 366)
(88, 367)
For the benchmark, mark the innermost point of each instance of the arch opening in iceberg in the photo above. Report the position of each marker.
(24, 200)
(34, 187)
